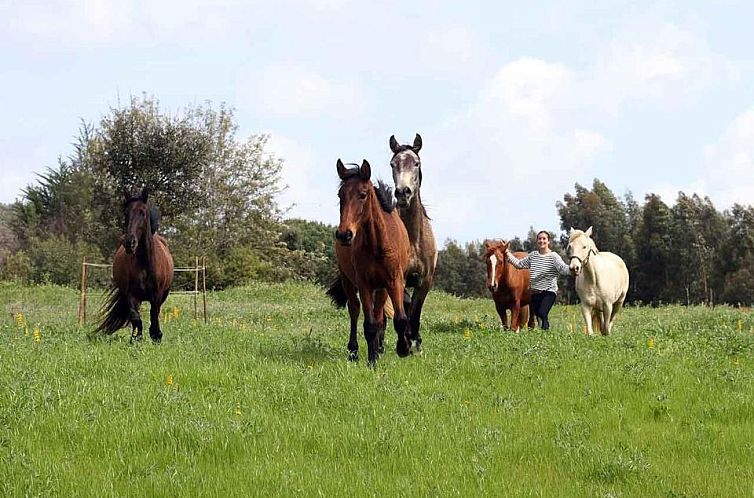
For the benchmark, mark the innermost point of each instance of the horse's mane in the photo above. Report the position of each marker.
(385, 196)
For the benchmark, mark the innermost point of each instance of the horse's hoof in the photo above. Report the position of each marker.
(353, 356)
(416, 346)
(403, 349)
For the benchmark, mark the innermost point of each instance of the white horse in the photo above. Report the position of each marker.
(601, 281)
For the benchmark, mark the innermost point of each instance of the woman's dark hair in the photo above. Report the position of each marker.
(546, 233)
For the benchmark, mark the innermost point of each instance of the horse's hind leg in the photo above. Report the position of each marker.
(400, 320)
(529, 314)
(135, 318)
(616, 308)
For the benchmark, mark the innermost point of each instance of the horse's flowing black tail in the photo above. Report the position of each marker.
(115, 312)
(337, 293)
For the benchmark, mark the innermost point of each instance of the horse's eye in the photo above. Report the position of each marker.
(363, 195)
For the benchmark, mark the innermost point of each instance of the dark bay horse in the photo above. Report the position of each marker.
(142, 271)
(372, 251)
(407, 176)
(509, 286)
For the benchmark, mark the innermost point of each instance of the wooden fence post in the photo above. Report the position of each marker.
(82, 296)
(204, 286)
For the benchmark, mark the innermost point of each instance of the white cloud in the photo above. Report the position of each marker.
(449, 49)
(730, 163)
(291, 90)
(305, 180)
(653, 63)
(528, 88)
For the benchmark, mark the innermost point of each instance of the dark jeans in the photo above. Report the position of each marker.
(541, 303)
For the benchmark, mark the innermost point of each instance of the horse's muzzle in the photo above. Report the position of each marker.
(492, 288)
(345, 238)
(403, 196)
(130, 245)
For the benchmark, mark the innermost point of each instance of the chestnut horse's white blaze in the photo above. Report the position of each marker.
(493, 270)
(601, 281)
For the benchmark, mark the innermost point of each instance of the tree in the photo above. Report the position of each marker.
(698, 228)
(216, 192)
(654, 251)
(461, 271)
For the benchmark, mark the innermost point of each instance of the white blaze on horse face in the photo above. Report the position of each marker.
(493, 272)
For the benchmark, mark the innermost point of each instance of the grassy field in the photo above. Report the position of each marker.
(262, 402)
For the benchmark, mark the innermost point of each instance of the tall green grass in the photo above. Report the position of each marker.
(262, 402)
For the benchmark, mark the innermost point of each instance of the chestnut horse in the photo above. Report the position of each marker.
(509, 286)
(407, 176)
(142, 271)
(372, 251)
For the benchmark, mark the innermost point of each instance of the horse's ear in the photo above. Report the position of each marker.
(487, 243)
(417, 143)
(366, 170)
(394, 144)
(505, 246)
(588, 232)
(341, 169)
(144, 194)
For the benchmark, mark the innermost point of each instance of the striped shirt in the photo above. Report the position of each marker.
(544, 269)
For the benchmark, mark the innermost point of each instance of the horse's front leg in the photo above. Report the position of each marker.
(606, 322)
(353, 313)
(400, 320)
(154, 321)
(380, 297)
(370, 324)
(135, 318)
(415, 315)
(586, 312)
(502, 312)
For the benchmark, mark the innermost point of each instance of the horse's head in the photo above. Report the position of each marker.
(354, 194)
(494, 258)
(580, 247)
(137, 220)
(407, 173)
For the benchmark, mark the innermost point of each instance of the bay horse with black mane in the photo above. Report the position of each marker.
(407, 176)
(372, 251)
(142, 271)
(509, 286)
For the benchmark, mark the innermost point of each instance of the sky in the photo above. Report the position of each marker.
(516, 102)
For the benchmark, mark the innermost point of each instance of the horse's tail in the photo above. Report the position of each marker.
(337, 293)
(115, 312)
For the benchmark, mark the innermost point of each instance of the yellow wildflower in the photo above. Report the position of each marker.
(651, 342)
(740, 325)
(20, 321)
(467, 334)
(169, 380)
(176, 312)
(37, 334)
(238, 410)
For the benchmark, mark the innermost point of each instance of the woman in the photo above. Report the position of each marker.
(544, 266)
